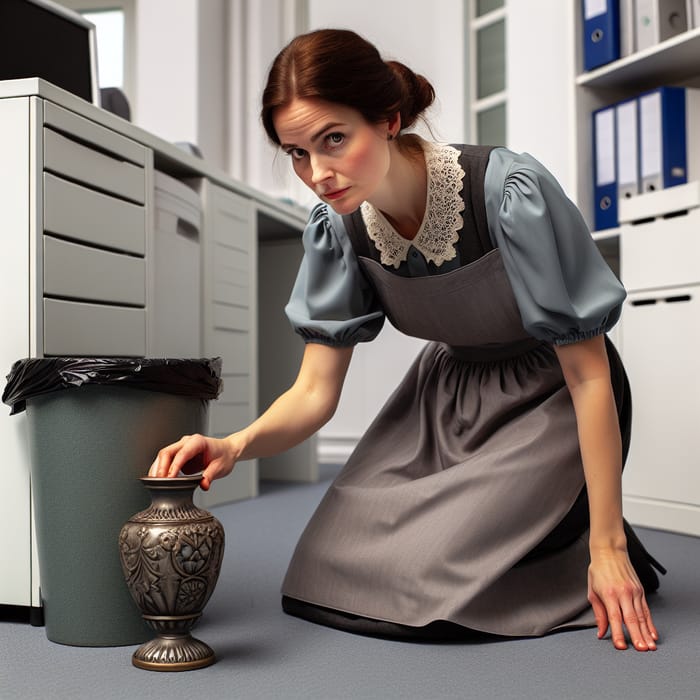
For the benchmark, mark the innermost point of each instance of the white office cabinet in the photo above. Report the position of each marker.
(229, 328)
(86, 266)
(15, 515)
(661, 336)
(74, 200)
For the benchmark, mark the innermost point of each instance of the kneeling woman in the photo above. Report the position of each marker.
(486, 495)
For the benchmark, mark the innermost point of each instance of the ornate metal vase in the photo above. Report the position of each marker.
(171, 557)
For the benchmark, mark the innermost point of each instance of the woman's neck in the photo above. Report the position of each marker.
(403, 194)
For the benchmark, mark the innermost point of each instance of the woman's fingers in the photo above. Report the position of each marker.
(621, 605)
(643, 617)
(169, 459)
(190, 447)
(601, 614)
(628, 609)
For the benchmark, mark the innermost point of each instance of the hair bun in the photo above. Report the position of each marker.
(419, 93)
(309, 66)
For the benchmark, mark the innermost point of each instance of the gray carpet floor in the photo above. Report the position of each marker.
(263, 653)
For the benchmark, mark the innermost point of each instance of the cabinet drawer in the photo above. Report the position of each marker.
(231, 318)
(232, 347)
(70, 158)
(83, 214)
(90, 132)
(72, 270)
(73, 328)
(236, 389)
(661, 253)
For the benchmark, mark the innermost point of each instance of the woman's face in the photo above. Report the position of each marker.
(334, 150)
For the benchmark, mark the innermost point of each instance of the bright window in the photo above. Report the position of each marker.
(109, 26)
(487, 71)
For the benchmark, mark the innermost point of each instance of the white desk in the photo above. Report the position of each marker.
(79, 277)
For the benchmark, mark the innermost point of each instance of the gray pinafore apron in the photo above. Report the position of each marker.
(464, 502)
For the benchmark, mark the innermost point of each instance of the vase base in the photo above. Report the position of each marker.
(173, 654)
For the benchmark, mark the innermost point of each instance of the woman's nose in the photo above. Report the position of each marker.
(320, 169)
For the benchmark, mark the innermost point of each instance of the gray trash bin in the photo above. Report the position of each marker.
(94, 427)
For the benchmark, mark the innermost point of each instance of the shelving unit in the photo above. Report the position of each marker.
(673, 62)
(656, 253)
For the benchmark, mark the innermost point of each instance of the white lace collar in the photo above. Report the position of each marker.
(439, 230)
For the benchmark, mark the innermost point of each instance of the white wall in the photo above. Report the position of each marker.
(201, 69)
(429, 39)
(426, 36)
(539, 68)
(181, 79)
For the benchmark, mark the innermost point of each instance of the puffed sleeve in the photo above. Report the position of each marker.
(331, 302)
(564, 288)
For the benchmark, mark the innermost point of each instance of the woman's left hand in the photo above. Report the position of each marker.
(618, 600)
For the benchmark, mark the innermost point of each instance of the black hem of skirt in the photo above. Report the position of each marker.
(438, 631)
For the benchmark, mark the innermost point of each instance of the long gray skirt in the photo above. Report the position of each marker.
(464, 502)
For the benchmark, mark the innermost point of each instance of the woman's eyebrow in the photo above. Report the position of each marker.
(316, 136)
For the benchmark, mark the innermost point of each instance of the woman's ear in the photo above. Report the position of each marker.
(394, 124)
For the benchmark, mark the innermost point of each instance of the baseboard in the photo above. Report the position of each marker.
(662, 515)
(334, 449)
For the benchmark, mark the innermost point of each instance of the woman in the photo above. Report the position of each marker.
(486, 494)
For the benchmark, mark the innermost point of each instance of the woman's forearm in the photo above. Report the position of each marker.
(301, 410)
(587, 373)
(601, 452)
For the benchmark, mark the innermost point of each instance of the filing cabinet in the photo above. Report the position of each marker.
(94, 219)
(80, 272)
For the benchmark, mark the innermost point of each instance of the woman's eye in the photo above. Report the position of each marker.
(296, 153)
(335, 139)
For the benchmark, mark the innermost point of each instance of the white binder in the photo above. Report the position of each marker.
(658, 20)
(627, 147)
(627, 38)
(669, 137)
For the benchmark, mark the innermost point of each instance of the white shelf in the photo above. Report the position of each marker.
(661, 203)
(606, 234)
(671, 61)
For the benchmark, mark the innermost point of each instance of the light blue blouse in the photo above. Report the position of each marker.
(564, 289)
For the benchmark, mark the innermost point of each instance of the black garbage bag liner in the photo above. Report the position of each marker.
(30, 377)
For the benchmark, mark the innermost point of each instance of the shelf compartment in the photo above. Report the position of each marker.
(671, 61)
(661, 252)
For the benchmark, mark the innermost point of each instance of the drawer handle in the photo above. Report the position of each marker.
(669, 300)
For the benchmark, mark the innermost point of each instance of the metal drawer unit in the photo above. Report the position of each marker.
(229, 329)
(94, 218)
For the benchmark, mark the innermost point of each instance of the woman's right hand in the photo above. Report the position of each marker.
(214, 457)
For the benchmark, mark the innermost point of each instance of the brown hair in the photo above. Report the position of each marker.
(339, 66)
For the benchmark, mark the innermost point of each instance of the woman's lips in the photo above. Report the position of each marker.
(335, 194)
